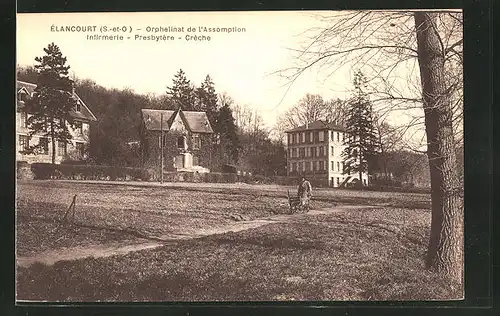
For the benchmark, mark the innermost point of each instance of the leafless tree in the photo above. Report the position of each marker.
(224, 99)
(247, 119)
(336, 111)
(311, 108)
(414, 64)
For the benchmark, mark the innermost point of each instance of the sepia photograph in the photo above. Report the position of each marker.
(239, 156)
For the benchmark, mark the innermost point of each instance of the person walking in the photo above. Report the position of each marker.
(305, 193)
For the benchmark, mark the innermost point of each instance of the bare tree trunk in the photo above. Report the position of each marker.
(53, 143)
(445, 253)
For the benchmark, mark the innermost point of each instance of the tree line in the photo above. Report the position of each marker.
(240, 136)
(116, 136)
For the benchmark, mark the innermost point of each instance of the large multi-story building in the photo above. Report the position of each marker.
(75, 150)
(315, 150)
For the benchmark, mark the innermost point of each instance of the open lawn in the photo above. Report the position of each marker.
(372, 253)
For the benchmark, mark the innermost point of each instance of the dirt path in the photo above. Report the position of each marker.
(52, 256)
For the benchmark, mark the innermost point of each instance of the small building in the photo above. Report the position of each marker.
(186, 140)
(75, 150)
(315, 150)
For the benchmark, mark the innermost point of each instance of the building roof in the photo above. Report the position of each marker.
(83, 114)
(196, 122)
(318, 125)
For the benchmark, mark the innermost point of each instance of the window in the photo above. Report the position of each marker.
(299, 166)
(24, 118)
(181, 142)
(343, 137)
(321, 151)
(303, 137)
(333, 169)
(313, 151)
(316, 137)
(321, 165)
(289, 138)
(79, 127)
(80, 149)
(44, 145)
(338, 181)
(290, 167)
(294, 166)
(196, 141)
(78, 107)
(331, 149)
(321, 136)
(61, 148)
(338, 166)
(294, 152)
(24, 142)
(311, 165)
(23, 95)
(338, 137)
(308, 137)
(161, 141)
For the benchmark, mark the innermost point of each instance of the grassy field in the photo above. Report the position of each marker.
(107, 213)
(370, 254)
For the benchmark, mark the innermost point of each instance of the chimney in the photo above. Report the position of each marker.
(307, 124)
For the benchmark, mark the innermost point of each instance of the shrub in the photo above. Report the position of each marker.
(88, 172)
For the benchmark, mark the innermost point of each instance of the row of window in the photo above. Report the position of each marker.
(78, 128)
(182, 141)
(315, 137)
(319, 151)
(319, 165)
(44, 146)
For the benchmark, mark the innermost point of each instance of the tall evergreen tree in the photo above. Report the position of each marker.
(362, 140)
(182, 92)
(52, 101)
(227, 132)
(207, 99)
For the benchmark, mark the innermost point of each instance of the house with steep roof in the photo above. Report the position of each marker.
(315, 150)
(75, 150)
(186, 140)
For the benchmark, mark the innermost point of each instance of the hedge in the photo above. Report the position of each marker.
(87, 172)
(43, 171)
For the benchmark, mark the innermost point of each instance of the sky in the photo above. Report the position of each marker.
(240, 63)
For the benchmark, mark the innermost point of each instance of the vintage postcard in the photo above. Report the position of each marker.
(239, 156)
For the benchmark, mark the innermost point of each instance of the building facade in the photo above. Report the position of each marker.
(315, 150)
(74, 150)
(186, 141)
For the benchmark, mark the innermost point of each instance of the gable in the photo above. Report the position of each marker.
(178, 123)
